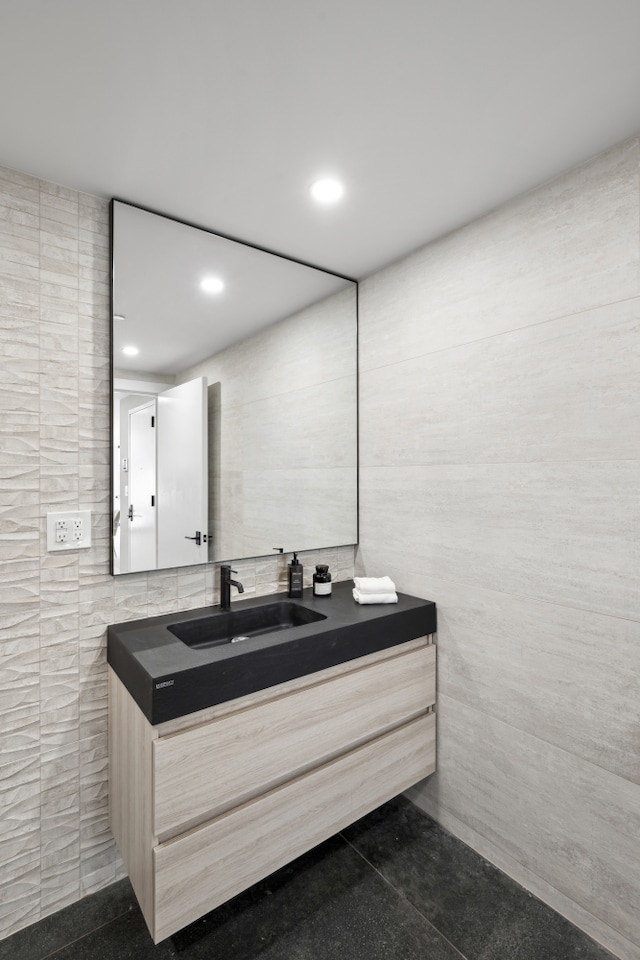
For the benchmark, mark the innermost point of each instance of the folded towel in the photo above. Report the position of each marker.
(389, 597)
(374, 585)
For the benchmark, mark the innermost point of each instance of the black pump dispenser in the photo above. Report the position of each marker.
(295, 578)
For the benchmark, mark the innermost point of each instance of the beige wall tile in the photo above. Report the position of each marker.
(558, 250)
(500, 470)
(570, 675)
(562, 818)
(551, 391)
(563, 532)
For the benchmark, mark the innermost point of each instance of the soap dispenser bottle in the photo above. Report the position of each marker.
(295, 578)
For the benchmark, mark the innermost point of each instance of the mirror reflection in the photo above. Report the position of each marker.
(234, 398)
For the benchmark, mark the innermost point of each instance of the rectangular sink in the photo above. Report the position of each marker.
(233, 626)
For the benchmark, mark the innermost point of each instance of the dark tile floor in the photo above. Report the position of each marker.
(394, 886)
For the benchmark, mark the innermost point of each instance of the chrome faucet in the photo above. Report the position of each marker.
(225, 586)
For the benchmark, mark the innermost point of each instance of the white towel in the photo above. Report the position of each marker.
(374, 585)
(388, 597)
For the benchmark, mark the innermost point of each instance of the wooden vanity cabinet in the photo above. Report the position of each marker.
(204, 806)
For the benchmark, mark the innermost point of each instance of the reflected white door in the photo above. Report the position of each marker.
(182, 474)
(140, 519)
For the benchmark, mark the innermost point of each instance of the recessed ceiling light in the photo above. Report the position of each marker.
(130, 351)
(212, 284)
(326, 190)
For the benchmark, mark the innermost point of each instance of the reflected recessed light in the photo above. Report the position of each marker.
(327, 190)
(212, 284)
(130, 351)
(119, 316)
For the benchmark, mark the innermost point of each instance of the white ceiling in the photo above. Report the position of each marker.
(222, 112)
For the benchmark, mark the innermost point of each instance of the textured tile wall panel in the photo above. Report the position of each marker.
(55, 845)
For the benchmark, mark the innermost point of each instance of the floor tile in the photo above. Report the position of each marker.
(480, 910)
(326, 905)
(394, 886)
(45, 937)
(125, 938)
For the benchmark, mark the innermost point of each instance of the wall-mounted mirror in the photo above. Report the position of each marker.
(234, 398)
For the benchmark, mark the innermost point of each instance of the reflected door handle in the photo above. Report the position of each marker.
(197, 538)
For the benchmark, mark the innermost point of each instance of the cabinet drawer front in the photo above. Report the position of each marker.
(204, 868)
(200, 772)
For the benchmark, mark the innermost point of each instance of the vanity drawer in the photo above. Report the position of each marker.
(200, 772)
(206, 867)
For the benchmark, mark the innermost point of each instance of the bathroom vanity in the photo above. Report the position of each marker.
(232, 755)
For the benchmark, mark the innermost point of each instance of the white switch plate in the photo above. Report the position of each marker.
(70, 530)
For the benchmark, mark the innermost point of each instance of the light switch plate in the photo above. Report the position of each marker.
(70, 530)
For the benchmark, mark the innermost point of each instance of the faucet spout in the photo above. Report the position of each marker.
(225, 586)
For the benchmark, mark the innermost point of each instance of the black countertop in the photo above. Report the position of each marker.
(169, 679)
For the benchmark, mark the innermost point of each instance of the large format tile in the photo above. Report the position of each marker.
(567, 821)
(565, 247)
(572, 675)
(327, 904)
(551, 391)
(564, 532)
(477, 908)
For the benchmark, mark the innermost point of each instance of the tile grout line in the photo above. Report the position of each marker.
(403, 897)
(87, 933)
(503, 333)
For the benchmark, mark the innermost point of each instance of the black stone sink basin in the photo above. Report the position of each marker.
(179, 663)
(237, 625)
